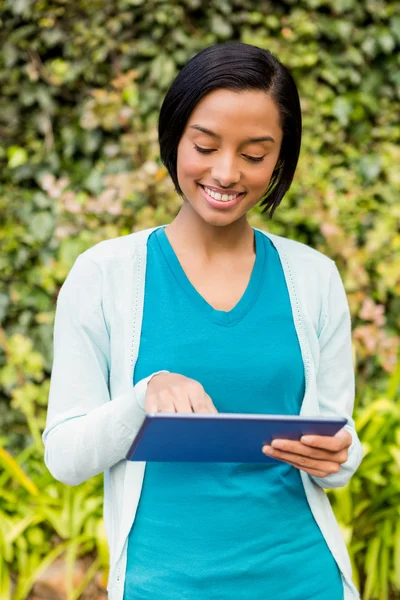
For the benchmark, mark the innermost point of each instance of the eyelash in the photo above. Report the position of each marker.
(209, 150)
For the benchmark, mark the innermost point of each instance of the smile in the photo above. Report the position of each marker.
(220, 201)
(221, 197)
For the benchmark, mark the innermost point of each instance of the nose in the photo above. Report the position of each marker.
(225, 171)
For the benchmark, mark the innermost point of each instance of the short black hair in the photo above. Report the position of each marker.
(239, 67)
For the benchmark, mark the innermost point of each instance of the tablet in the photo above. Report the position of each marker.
(222, 437)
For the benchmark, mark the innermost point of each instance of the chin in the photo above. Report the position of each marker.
(221, 219)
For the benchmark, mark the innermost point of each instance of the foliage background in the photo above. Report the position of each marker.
(80, 88)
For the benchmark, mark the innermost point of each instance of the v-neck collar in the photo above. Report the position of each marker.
(226, 318)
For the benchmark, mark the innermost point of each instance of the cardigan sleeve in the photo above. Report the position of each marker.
(335, 377)
(86, 433)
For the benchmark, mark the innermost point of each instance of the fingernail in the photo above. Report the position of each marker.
(307, 439)
(267, 450)
(276, 444)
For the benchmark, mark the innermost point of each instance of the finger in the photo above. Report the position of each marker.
(202, 403)
(314, 472)
(211, 405)
(165, 402)
(151, 404)
(295, 447)
(195, 393)
(335, 443)
(310, 471)
(183, 405)
(198, 398)
(304, 462)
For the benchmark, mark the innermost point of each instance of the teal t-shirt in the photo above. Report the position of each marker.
(220, 531)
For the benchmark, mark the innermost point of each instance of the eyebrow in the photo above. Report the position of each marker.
(264, 138)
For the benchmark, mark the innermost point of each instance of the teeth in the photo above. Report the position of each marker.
(220, 197)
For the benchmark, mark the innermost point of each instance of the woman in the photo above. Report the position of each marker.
(208, 314)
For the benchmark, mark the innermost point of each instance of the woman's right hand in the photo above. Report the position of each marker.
(172, 392)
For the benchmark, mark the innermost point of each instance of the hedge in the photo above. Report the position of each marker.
(81, 85)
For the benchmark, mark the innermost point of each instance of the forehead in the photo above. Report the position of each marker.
(248, 111)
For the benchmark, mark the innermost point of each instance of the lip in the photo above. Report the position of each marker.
(220, 190)
(221, 205)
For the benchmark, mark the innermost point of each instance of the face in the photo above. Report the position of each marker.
(227, 154)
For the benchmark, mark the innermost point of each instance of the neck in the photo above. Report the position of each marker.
(211, 242)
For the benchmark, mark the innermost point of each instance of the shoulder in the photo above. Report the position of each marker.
(299, 253)
(309, 275)
(311, 268)
(123, 247)
(100, 272)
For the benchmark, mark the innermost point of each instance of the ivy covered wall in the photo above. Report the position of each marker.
(81, 84)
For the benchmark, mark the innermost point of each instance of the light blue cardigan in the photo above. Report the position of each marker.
(96, 343)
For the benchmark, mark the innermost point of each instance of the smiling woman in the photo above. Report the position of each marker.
(207, 314)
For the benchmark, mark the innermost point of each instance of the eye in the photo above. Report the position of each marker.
(254, 158)
(203, 150)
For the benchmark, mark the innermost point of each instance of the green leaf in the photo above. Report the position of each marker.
(220, 26)
(25, 583)
(17, 156)
(10, 464)
(4, 304)
(371, 567)
(342, 108)
(396, 556)
(386, 41)
(42, 226)
(370, 166)
(395, 452)
(394, 25)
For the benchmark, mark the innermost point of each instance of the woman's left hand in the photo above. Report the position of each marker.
(315, 454)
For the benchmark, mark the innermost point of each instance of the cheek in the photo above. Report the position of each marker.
(262, 177)
(188, 164)
(189, 168)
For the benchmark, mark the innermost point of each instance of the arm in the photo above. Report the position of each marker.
(335, 377)
(86, 433)
(329, 460)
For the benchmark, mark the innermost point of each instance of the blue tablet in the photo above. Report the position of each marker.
(222, 437)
